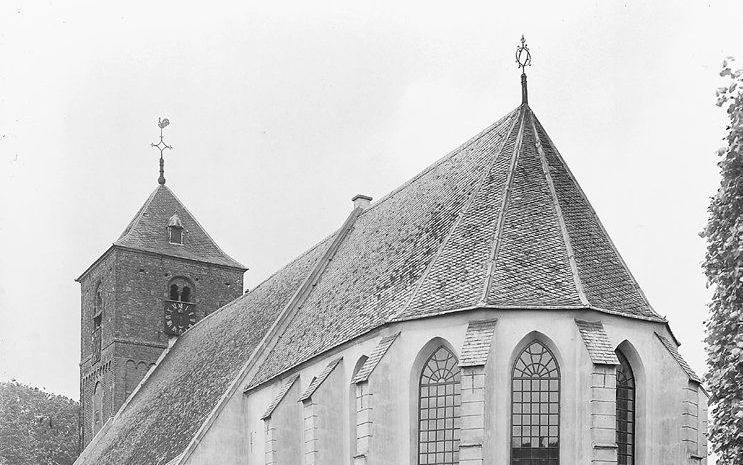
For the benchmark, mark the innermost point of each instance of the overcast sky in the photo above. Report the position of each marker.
(280, 114)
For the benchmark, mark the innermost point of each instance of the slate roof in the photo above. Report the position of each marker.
(318, 380)
(673, 350)
(477, 342)
(280, 395)
(376, 356)
(597, 342)
(498, 223)
(148, 232)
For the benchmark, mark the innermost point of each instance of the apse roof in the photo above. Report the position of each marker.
(499, 223)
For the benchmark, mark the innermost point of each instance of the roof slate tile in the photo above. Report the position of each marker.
(673, 350)
(376, 356)
(477, 342)
(597, 342)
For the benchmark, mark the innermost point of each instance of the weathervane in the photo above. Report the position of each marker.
(523, 58)
(161, 146)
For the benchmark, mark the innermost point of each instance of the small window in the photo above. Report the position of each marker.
(176, 235)
(186, 294)
(174, 292)
(175, 230)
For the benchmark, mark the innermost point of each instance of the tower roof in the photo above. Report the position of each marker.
(148, 231)
(499, 223)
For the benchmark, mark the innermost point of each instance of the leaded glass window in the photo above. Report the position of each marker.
(535, 407)
(625, 412)
(439, 403)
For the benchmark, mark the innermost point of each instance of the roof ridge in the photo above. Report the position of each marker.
(441, 160)
(560, 218)
(462, 212)
(596, 217)
(504, 204)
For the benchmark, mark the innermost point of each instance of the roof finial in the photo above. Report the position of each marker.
(161, 146)
(523, 58)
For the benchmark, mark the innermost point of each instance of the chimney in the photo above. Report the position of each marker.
(361, 201)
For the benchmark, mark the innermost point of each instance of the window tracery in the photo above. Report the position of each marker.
(625, 412)
(535, 407)
(439, 404)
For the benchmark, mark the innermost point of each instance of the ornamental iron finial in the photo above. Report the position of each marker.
(162, 123)
(523, 58)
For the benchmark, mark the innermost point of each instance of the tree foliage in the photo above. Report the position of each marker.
(723, 266)
(36, 427)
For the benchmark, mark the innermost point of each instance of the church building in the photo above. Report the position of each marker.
(477, 314)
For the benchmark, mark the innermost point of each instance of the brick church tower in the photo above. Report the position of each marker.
(162, 275)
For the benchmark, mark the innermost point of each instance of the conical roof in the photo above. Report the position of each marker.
(498, 223)
(148, 231)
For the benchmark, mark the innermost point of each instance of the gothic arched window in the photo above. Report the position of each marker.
(625, 412)
(439, 403)
(535, 407)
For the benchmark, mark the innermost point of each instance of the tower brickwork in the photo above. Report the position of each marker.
(146, 289)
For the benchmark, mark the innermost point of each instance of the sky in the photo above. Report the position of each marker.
(281, 112)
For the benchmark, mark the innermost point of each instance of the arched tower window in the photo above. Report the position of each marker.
(180, 290)
(625, 412)
(535, 407)
(175, 293)
(175, 230)
(439, 403)
(186, 294)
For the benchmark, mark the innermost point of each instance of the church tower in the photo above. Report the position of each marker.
(161, 276)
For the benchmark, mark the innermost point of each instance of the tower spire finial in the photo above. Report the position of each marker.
(161, 146)
(523, 58)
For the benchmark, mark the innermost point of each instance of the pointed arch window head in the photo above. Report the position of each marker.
(535, 407)
(439, 405)
(625, 412)
(175, 230)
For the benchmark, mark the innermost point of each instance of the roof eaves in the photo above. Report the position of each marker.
(95, 263)
(504, 205)
(560, 218)
(178, 257)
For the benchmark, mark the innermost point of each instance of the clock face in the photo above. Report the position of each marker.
(179, 316)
